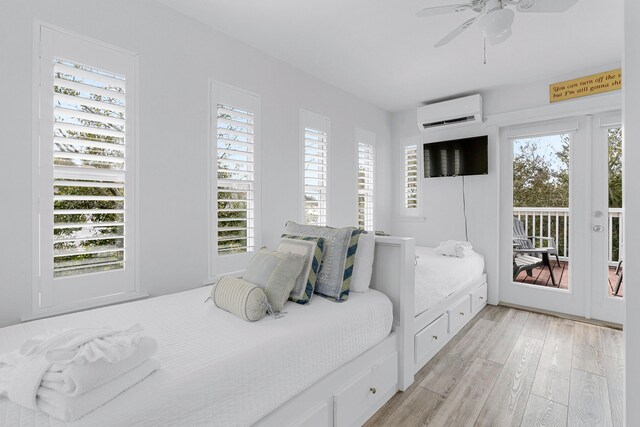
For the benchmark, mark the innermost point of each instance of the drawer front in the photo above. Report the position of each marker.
(431, 339)
(459, 315)
(352, 401)
(322, 416)
(478, 299)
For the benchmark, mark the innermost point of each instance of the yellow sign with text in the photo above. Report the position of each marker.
(585, 86)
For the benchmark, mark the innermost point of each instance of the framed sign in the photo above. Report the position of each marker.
(585, 86)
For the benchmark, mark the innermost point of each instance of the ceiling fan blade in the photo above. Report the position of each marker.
(545, 6)
(455, 33)
(441, 10)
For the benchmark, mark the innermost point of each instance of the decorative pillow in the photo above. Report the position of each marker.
(363, 265)
(239, 297)
(337, 266)
(276, 273)
(312, 248)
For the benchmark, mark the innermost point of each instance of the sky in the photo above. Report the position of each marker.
(547, 146)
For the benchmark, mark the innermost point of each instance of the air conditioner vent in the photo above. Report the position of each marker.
(455, 112)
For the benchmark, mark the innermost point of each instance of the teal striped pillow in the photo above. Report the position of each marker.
(313, 250)
(334, 278)
(348, 263)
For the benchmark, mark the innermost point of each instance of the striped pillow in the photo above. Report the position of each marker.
(312, 248)
(276, 273)
(239, 297)
(334, 279)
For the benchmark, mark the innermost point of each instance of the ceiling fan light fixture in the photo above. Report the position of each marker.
(496, 24)
(497, 40)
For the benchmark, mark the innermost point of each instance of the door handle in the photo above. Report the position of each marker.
(598, 228)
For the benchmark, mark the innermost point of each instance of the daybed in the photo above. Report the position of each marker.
(449, 291)
(323, 363)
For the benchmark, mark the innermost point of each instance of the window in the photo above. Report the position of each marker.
(315, 135)
(366, 179)
(86, 237)
(89, 149)
(411, 179)
(236, 180)
(234, 177)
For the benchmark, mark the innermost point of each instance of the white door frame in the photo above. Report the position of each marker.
(586, 296)
(569, 301)
(603, 306)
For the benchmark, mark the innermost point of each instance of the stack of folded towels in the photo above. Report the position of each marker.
(69, 373)
(454, 248)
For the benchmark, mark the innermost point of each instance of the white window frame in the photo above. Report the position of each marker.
(93, 289)
(321, 123)
(222, 93)
(367, 139)
(412, 214)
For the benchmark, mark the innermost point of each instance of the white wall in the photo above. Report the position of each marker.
(631, 113)
(177, 58)
(442, 197)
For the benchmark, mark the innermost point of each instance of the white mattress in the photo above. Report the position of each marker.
(217, 369)
(439, 276)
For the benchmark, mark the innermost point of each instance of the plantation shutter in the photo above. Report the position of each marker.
(236, 180)
(366, 179)
(315, 131)
(410, 159)
(89, 154)
(86, 157)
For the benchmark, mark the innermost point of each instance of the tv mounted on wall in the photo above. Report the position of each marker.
(456, 157)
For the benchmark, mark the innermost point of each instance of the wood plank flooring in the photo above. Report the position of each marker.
(510, 367)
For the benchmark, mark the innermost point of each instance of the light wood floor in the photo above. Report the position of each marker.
(510, 367)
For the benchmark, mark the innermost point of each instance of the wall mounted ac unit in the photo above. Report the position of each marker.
(455, 112)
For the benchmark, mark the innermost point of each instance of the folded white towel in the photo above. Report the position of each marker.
(22, 371)
(68, 408)
(454, 248)
(73, 379)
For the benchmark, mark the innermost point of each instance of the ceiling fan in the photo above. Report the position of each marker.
(493, 16)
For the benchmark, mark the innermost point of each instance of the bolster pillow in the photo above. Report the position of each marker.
(239, 297)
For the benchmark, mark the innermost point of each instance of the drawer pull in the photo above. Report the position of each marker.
(373, 390)
(435, 337)
(461, 313)
(481, 298)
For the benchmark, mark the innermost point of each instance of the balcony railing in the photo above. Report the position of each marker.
(554, 222)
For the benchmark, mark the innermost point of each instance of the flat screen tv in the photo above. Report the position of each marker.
(457, 157)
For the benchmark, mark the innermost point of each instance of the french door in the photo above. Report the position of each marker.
(607, 220)
(562, 218)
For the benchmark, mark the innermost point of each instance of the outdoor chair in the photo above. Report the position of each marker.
(619, 281)
(522, 241)
(522, 262)
(526, 256)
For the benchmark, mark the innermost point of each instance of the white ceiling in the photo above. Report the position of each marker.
(379, 51)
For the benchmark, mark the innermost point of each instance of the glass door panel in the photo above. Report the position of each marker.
(615, 217)
(541, 216)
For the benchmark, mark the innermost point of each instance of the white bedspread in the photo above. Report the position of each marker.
(217, 369)
(439, 276)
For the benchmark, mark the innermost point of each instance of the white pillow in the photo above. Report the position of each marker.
(363, 264)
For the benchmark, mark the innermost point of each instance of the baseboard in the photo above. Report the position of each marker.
(563, 315)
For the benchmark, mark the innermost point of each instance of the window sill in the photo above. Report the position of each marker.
(84, 305)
